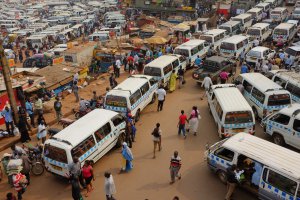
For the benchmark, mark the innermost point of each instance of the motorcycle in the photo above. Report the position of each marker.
(36, 158)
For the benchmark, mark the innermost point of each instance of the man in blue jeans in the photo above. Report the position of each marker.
(181, 124)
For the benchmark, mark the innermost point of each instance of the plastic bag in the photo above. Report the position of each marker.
(16, 131)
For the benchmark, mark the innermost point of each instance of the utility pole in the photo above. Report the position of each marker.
(8, 84)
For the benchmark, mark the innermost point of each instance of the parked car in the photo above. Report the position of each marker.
(213, 66)
(38, 60)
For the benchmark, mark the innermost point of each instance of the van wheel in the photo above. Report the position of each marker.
(278, 139)
(153, 99)
(121, 139)
(255, 113)
(137, 116)
(222, 176)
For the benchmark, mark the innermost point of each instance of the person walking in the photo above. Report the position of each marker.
(21, 56)
(29, 110)
(75, 171)
(156, 133)
(109, 186)
(175, 165)
(75, 89)
(88, 175)
(161, 97)
(194, 120)
(57, 108)
(42, 131)
(23, 130)
(9, 123)
(20, 183)
(231, 182)
(118, 68)
(173, 79)
(76, 194)
(181, 76)
(128, 133)
(244, 68)
(112, 81)
(10, 196)
(181, 123)
(127, 158)
(26, 166)
(206, 83)
(38, 106)
(224, 77)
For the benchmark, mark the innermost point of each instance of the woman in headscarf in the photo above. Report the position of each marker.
(109, 186)
(194, 120)
(23, 130)
(173, 78)
(127, 158)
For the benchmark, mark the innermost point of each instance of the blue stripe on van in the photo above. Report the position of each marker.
(54, 162)
(244, 125)
(283, 195)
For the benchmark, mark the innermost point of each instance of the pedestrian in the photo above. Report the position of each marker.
(125, 63)
(224, 77)
(176, 198)
(26, 165)
(130, 62)
(231, 182)
(127, 158)
(41, 118)
(288, 62)
(38, 106)
(94, 100)
(9, 123)
(244, 68)
(161, 97)
(42, 131)
(75, 77)
(10, 196)
(173, 79)
(175, 165)
(112, 81)
(132, 126)
(29, 110)
(75, 171)
(16, 151)
(76, 194)
(181, 76)
(109, 186)
(23, 130)
(198, 61)
(240, 87)
(194, 120)
(20, 56)
(118, 68)
(20, 183)
(206, 83)
(128, 133)
(75, 89)
(57, 108)
(242, 56)
(23, 115)
(156, 133)
(88, 175)
(181, 123)
(265, 68)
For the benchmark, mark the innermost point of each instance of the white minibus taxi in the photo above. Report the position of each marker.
(279, 14)
(260, 30)
(192, 49)
(214, 37)
(265, 6)
(37, 40)
(256, 13)
(230, 110)
(263, 95)
(259, 53)
(273, 3)
(271, 172)
(234, 45)
(246, 20)
(88, 138)
(285, 31)
(231, 27)
(134, 93)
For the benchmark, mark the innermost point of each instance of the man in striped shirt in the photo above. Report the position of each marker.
(175, 166)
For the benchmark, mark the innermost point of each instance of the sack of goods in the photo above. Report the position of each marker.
(14, 166)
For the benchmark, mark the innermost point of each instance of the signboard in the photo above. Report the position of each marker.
(58, 60)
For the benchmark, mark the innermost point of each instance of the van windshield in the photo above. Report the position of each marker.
(275, 12)
(183, 52)
(227, 28)
(278, 31)
(152, 71)
(206, 38)
(279, 99)
(55, 153)
(252, 31)
(115, 101)
(238, 117)
(255, 54)
(227, 46)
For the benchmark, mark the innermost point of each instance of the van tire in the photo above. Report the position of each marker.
(222, 176)
(278, 139)
(121, 139)
(137, 115)
(153, 99)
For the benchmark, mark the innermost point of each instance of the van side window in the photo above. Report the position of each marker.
(247, 86)
(135, 97)
(296, 125)
(194, 51)
(145, 88)
(200, 47)
(219, 110)
(117, 120)
(224, 153)
(152, 81)
(175, 63)
(167, 69)
(240, 45)
(281, 182)
(102, 132)
(293, 89)
(280, 81)
(83, 147)
(258, 95)
(281, 119)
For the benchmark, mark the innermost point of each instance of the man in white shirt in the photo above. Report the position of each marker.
(255, 42)
(265, 67)
(161, 96)
(118, 67)
(206, 83)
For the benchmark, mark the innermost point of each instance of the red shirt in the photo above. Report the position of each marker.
(86, 171)
(182, 119)
(130, 59)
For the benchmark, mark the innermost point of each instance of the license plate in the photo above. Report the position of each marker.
(237, 130)
(56, 167)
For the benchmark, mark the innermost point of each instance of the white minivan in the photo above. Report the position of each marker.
(261, 31)
(246, 20)
(285, 31)
(88, 138)
(270, 172)
(214, 37)
(265, 6)
(133, 95)
(279, 14)
(234, 45)
(256, 13)
(231, 112)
